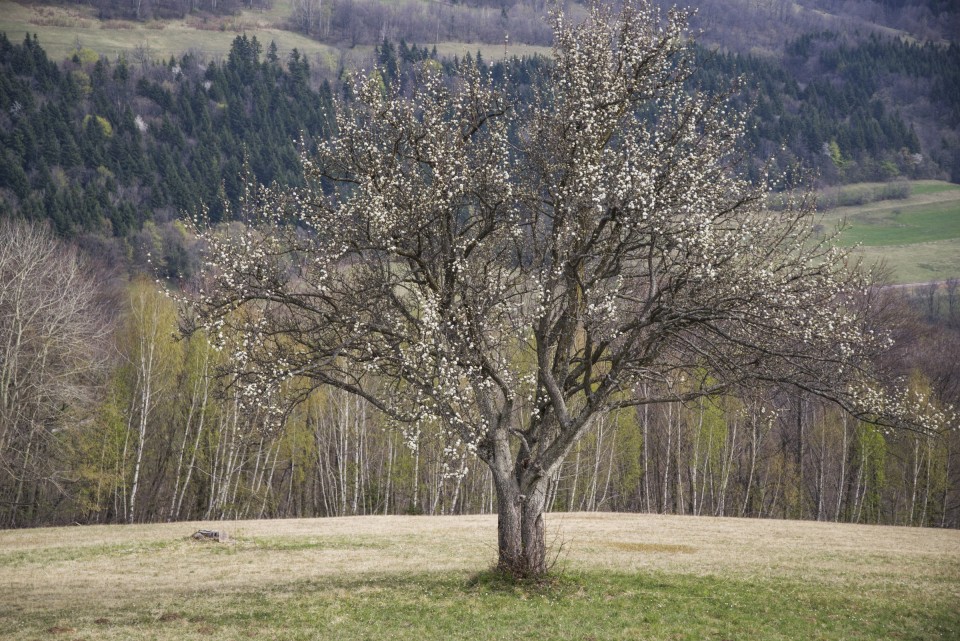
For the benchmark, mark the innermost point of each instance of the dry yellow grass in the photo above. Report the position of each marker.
(106, 566)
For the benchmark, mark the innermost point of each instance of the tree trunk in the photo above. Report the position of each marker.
(646, 467)
(521, 538)
(533, 533)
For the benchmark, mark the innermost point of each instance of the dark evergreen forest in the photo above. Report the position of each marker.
(112, 153)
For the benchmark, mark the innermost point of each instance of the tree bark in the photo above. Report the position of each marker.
(521, 497)
(509, 548)
(521, 537)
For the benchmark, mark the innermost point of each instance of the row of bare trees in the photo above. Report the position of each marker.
(741, 25)
(181, 445)
(107, 416)
(167, 9)
(50, 357)
(357, 22)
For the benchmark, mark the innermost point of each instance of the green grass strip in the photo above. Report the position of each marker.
(573, 606)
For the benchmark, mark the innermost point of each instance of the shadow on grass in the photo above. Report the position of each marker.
(497, 580)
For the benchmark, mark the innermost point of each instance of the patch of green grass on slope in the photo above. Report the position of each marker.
(60, 28)
(576, 606)
(920, 187)
(904, 224)
(918, 263)
(918, 238)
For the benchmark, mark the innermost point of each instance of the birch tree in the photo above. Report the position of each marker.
(52, 335)
(513, 272)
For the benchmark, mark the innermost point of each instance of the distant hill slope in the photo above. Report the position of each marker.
(62, 27)
(917, 237)
(757, 27)
(174, 120)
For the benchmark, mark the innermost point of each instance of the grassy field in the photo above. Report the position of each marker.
(61, 28)
(620, 577)
(917, 237)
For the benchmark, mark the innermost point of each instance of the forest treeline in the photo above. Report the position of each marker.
(113, 152)
(107, 416)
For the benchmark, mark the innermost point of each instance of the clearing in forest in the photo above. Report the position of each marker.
(917, 237)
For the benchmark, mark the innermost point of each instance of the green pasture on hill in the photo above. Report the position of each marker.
(918, 237)
(61, 28)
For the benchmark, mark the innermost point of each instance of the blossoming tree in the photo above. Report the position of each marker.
(511, 272)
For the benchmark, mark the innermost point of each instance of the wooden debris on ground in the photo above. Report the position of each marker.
(219, 536)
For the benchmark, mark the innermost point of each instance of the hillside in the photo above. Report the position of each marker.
(916, 237)
(623, 576)
(172, 130)
(866, 94)
(63, 27)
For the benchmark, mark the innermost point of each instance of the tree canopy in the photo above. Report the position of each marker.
(513, 272)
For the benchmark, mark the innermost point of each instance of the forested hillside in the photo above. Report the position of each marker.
(100, 147)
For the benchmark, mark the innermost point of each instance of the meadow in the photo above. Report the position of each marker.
(618, 576)
(61, 28)
(918, 237)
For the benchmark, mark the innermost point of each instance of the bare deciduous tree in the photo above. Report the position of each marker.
(515, 272)
(51, 331)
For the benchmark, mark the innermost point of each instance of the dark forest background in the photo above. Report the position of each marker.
(104, 149)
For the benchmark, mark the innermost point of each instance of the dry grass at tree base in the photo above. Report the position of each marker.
(375, 577)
